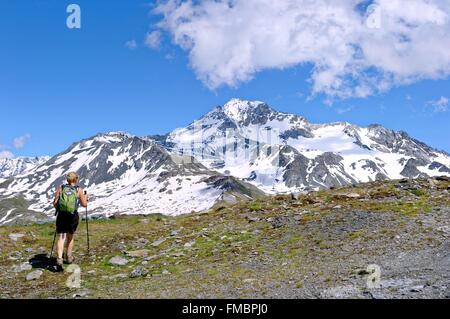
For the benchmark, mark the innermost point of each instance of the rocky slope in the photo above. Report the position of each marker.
(20, 165)
(326, 244)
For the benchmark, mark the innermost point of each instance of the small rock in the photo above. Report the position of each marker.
(253, 219)
(352, 195)
(23, 267)
(137, 253)
(139, 272)
(15, 237)
(118, 261)
(174, 233)
(35, 275)
(140, 243)
(166, 272)
(189, 244)
(249, 281)
(159, 242)
(29, 250)
(281, 221)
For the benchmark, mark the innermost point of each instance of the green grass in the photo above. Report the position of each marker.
(419, 192)
(356, 234)
(255, 206)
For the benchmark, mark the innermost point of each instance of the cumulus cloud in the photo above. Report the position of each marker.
(132, 44)
(440, 105)
(153, 40)
(19, 142)
(354, 52)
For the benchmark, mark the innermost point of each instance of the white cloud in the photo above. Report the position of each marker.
(230, 41)
(153, 40)
(19, 142)
(132, 44)
(439, 106)
(6, 154)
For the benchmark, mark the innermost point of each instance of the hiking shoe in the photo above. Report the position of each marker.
(59, 262)
(69, 259)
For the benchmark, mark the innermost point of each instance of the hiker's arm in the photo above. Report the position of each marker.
(55, 201)
(83, 198)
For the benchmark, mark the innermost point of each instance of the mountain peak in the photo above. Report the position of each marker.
(236, 107)
(111, 137)
(240, 110)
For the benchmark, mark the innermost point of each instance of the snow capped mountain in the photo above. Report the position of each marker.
(123, 174)
(280, 152)
(19, 165)
(239, 151)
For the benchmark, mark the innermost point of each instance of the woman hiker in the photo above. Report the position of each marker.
(67, 200)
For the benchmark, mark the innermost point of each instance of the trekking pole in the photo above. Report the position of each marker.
(87, 227)
(53, 246)
(54, 240)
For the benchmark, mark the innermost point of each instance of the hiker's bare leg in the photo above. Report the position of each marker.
(60, 245)
(70, 244)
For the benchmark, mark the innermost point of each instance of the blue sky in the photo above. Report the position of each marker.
(58, 85)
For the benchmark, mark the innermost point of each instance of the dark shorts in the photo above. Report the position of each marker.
(67, 223)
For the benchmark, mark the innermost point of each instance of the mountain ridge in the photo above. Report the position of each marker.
(241, 148)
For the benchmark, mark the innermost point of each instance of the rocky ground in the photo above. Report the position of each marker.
(377, 240)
